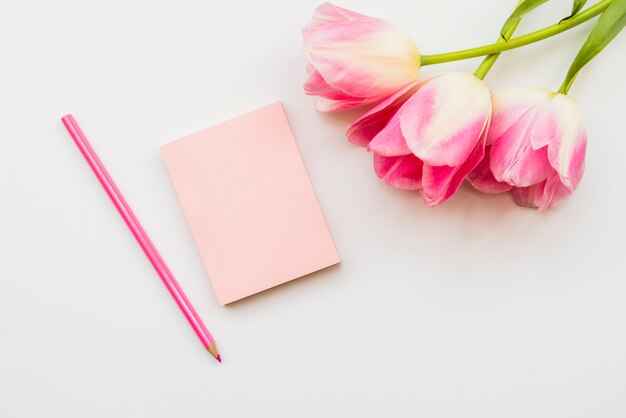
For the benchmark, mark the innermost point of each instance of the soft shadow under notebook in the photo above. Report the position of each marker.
(249, 203)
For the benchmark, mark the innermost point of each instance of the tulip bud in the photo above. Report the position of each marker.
(355, 59)
(536, 147)
(431, 134)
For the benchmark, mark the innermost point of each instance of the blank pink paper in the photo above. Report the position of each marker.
(249, 203)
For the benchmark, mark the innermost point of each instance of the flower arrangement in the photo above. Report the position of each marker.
(432, 133)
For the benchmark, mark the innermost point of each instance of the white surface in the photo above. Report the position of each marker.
(476, 308)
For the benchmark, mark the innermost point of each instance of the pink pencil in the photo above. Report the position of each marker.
(141, 235)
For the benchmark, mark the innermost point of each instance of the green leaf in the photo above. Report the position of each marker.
(578, 4)
(523, 7)
(610, 23)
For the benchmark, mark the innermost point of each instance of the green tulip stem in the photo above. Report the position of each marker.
(489, 60)
(536, 36)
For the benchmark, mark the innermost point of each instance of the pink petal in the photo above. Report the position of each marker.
(510, 105)
(547, 194)
(482, 178)
(403, 172)
(436, 184)
(358, 73)
(445, 118)
(528, 196)
(389, 142)
(343, 31)
(560, 128)
(317, 86)
(322, 104)
(329, 13)
(329, 98)
(561, 192)
(360, 55)
(554, 193)
(439, 183)
(513, 159)
(374, 120)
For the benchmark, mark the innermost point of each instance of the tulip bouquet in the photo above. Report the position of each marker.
(432, 133)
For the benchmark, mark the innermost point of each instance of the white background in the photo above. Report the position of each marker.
(476, 308)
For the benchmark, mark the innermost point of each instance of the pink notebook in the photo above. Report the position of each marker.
(249, 203)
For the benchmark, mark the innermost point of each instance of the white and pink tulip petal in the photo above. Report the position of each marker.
(330, 99)
(366, 127)
(364, 58)
(511, 105)
(528, 196)
(554, 193)
(323, 104)
(445, 118)
(513, 158)
(545, 195)
(329, 13)
(390, 142)
(403, 172)
(316, 85)
(560, 128)
(439, 183)
(482, 179)
(538, 146)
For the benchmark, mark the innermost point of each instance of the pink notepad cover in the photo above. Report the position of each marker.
(249, 203)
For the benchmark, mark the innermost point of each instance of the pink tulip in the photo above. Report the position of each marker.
(429, 135)
(355, 59)
(535, 147)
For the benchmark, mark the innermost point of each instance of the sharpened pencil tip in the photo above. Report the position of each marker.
(213, 350)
